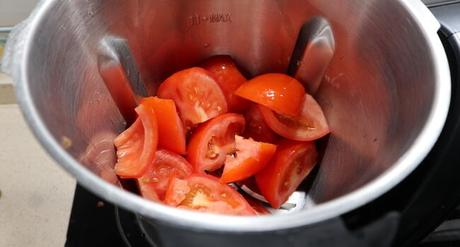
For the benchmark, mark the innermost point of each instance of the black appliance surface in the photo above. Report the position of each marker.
(94, 222)
(426, 200)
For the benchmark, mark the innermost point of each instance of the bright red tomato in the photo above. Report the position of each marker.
(213, 140)
(292, 162)
(278, 92)
(229, 79)
(256, 128)
(249, 158)
(136, 146)
(171, 132)
(309, 126)
(196, 94)
(154, 183)
(206, 194)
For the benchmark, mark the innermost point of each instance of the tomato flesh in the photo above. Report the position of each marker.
(249, 158)
(292, 162)
(196, 94)
(211, 142)
(309, 126)
(206, 194)
(229, 78)
(136, 146)
(154, 182)
(278, 92)
(171, 132)
(256, 128)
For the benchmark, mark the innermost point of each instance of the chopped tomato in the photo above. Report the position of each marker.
(309, 126)
(229, 79)
(256, 128)
(171, 132)
(196, 94)
(137, 145)
(278, 92)
(154, 183)
(212, 141)
(292, 162)
(206, 194)
(249, 158)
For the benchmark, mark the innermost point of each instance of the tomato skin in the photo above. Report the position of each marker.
(212, 141)
(256, 128)
(250, 158)
(292, 162)
(197, 95)
(154, 182)
(136, 146)
(229, 78)
(278, 92)
(171, 132)
(309, 126)
(206, 194)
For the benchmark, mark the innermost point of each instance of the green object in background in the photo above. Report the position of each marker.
(4, 32)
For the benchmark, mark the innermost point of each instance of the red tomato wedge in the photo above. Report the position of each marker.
(136, 146)
(154, 183)
(171, 132)
(212, 141)
(292, 162)
(206, 194)
(278, 92)
(309, 126)
(229, 78)
(249, 158)
(196, 94)
(256, 128)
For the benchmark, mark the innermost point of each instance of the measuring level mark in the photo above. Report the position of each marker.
(197, 19)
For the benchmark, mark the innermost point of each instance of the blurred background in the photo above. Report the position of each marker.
(11, 13)
(36, 195)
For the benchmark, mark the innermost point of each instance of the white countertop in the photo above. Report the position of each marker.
(36, 194)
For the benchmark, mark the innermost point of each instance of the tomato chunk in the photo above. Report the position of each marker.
(256, 128)
(136, 146)
(206, 194)
(229, 78)
(292, 162)
(309, 126)
(278, 92)
(171, 132)
(249, 158)
(212, 141)
(196, 94)
(154, 182)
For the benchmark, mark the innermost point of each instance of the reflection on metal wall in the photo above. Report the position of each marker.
(439, 2)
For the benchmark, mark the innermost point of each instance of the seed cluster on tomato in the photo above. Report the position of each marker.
(209, 126)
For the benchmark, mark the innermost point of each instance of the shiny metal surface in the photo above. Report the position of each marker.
(120, 73)
(313, 52)
(431, 3)
(386, 92)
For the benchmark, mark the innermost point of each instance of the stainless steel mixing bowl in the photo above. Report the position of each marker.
(386, 92)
